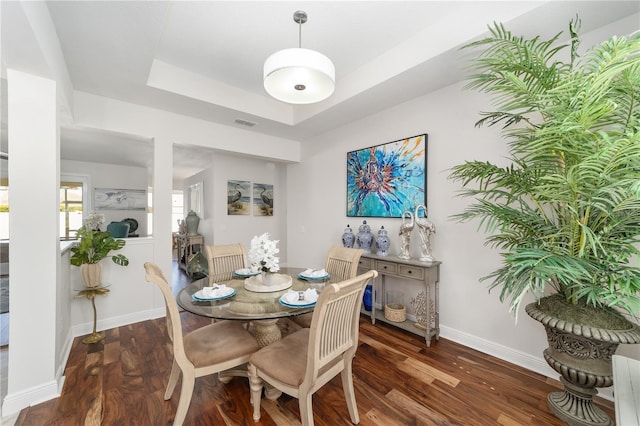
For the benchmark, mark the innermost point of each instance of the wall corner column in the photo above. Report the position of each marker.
(34, 191)
(162, 203)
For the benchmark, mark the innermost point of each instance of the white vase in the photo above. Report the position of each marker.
(266, 278)
(91, 274)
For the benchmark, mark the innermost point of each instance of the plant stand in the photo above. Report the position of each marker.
(91, 293)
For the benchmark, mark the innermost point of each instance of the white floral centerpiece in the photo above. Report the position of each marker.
(262, 254)
(94, 221)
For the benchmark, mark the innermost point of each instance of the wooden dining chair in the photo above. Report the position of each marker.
(223, 260)
(342, 264)
(304, 361)
(207, 350)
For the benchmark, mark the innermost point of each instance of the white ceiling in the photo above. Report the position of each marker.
(204, 58)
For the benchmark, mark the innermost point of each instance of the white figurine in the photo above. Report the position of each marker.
(426, 228)
(405, 236)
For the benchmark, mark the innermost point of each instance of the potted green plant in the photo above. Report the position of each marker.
(566, 212)
(95, 245)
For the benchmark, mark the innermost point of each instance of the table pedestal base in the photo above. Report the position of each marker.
(266, 331)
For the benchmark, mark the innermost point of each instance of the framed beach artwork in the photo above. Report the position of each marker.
(238, 197)
(262, 199)
(387, 180)
(119, 199)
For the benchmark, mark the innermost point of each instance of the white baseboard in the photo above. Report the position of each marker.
(536, 364)
(108, 323)
(14, 402)
(524, 360)
(64, 357)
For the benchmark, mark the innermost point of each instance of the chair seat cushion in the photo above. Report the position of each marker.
(219, 342)
(293, 348)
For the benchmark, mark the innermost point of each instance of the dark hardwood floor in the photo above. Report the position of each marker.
(398, 381)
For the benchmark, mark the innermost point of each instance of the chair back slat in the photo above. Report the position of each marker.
(223, 260)
(334, 326)
(336, 335)
(174, 325)
(342, 262)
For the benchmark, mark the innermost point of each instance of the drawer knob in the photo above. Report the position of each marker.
(384, 267)
(409, 271)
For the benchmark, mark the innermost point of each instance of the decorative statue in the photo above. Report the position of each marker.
(405, 235)
(182, 227)
(426, 228)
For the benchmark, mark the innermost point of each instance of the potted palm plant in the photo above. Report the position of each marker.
(95, 245)
(566, 212)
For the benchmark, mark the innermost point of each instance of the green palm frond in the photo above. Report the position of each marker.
(566, 212)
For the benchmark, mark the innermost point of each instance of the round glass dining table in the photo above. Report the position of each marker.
(263, 309)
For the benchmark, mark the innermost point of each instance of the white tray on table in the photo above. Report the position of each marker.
(278, 282)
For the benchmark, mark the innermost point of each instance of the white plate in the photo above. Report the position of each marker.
(308, 278)
(292, 298)
(308, 305)
(219, 294)
(312, 274)
(246, 272)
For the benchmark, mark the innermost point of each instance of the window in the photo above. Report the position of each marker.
(177, 210)
(70, 209)
(74, 204)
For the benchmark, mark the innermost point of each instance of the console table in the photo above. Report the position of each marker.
(426, 273)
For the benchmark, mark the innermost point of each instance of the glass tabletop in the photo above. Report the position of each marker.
(245, 304)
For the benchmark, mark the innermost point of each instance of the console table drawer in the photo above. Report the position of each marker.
(386, 267)
(411, 272)
(364, 263)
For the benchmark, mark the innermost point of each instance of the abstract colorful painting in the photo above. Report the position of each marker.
(386, 180)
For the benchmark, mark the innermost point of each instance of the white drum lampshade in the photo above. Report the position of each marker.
(299, 76)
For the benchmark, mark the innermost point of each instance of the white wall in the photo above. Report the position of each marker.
(448, 117)
(64, 336)
(112, 176)
(217, 226)
(130, 298)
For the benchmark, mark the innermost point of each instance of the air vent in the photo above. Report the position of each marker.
(245, 122)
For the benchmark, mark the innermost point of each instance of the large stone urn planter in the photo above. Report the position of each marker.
(582, 356)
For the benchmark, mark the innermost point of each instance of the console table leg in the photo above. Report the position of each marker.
(427, 332)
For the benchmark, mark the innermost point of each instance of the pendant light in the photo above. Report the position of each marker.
(297, 75)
